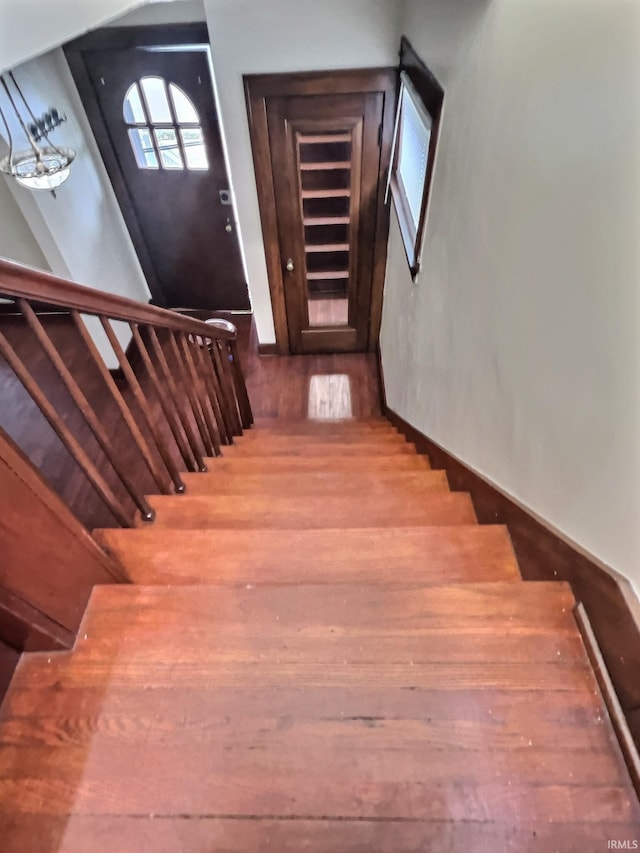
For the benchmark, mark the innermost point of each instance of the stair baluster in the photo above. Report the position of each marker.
(180, 397)
(214, 392)
(174, 394)
(190, 386)
(143, 405)
(166, 403)
(85, 408)
(240, 386)
(222, 367)
(63, 432)
(200, 388)
(160, 479)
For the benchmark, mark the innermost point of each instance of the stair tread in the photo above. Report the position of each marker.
(194, 621)
(434, 555)
(274, 439)
(202, 834)
(423, 704)
(263, 511)
(318, 463)
(312, 483)
(284, 424)
(330, 425)
(302, 447)
(320, 649)
(450, 605)
(402, 624)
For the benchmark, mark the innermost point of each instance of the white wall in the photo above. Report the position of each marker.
(17, 242)
(249, 37)
(177, 12)
(81, 232)
(31, 27)
(518, 348)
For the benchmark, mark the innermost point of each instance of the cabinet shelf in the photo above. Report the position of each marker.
(331, 275)
(320, 138)
(326, 247)
(327, 220)
(326, 166)
(326, 193)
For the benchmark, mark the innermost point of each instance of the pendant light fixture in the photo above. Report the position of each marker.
(36, 168)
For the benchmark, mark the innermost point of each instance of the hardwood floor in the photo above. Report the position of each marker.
(320, 649)
(261, 717)
(279, 386)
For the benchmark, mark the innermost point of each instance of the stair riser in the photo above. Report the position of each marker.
(317, 464)
(392, 484)
(312, 425)
(455, 554)
(249, 439)
(308, 448)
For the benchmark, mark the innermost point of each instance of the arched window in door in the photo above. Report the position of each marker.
(164, 126)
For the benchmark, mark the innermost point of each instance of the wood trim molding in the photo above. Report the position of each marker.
(339, 82)
(268, 349)
(432, 95)
(27, 629)
(9, 658)
(259, 87)
(383, 217)
(616, 713)
(543, 553)
(425, 82)
(261, 150)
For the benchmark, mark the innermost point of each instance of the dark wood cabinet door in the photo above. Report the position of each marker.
(157, 115)
(325, 161)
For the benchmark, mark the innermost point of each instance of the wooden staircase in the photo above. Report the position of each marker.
(320, 649)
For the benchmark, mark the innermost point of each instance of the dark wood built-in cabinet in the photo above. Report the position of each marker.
(321, 151)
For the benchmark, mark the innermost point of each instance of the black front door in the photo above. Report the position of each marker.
(155, 111)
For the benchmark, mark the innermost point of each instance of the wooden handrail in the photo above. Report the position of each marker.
(182, 395)
(183, 374)
(18, 281)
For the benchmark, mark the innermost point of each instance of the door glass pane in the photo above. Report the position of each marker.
(133, 112)
(169, 150)
(332, 311)
(155, 95)
(325, 181)
(185, 111)
(143, 149)
(193, 146)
